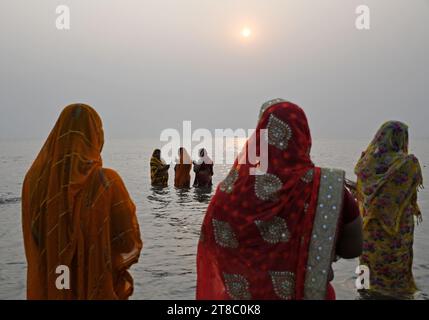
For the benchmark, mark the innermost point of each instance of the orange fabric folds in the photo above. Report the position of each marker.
(77, 214)
(182, 170)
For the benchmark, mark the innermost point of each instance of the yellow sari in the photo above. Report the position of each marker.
(387, 186)
(158, 172)
(77, 214)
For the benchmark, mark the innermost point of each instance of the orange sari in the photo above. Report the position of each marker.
(182, 170)
(77, 214)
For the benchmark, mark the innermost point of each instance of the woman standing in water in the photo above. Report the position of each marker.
(158, 170)
(77, 214)
(183, 169)
(387, 185)
(203, 169)
(275, 235)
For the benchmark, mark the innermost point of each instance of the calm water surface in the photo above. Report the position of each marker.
(170, 219)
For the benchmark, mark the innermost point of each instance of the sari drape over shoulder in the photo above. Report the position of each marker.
(272, 235)
(387, 186)
(77, 214)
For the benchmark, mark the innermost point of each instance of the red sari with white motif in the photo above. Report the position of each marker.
(272, 235)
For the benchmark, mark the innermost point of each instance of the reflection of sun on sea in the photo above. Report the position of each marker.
(232, 147)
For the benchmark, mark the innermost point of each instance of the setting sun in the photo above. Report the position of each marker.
(246, 32)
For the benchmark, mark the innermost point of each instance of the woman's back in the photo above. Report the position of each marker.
(271, 235)
(182, 170)
(73, 211)
(388, 181)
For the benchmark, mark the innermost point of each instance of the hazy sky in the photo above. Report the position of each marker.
(148, 65)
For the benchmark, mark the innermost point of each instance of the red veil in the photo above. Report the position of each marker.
(262, 236)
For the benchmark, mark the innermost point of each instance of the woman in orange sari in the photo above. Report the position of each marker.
(274, 235)
(77, 214)
(182, 170)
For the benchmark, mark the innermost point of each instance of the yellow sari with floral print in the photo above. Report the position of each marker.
(387, 186)
(158, 172)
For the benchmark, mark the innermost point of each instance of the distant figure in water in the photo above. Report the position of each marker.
(274, 235)
(387, 185)
(77, 214)
(183, 169)
(158, 170)
(203, 169)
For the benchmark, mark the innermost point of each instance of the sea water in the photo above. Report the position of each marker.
(170, 219)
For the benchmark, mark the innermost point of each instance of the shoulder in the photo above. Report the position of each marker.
(411, 163)
(110, 173)
(111, 177)
(114, 182)
(412, 158)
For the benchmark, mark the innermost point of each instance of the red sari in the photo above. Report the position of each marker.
(272, 236)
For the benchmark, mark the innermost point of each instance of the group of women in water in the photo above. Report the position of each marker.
(273, 235)
(203, 169)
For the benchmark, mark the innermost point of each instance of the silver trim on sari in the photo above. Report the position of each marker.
(273, 231)
(227, 185)
(322, 243)
(266, 186)
(268, 104)
(237, 286)
(283, 284)
(278, 133)
(308, 176)
(224, 234)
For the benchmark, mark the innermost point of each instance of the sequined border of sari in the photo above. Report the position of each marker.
(323, 236)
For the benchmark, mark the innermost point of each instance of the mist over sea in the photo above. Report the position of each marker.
(170, 220)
